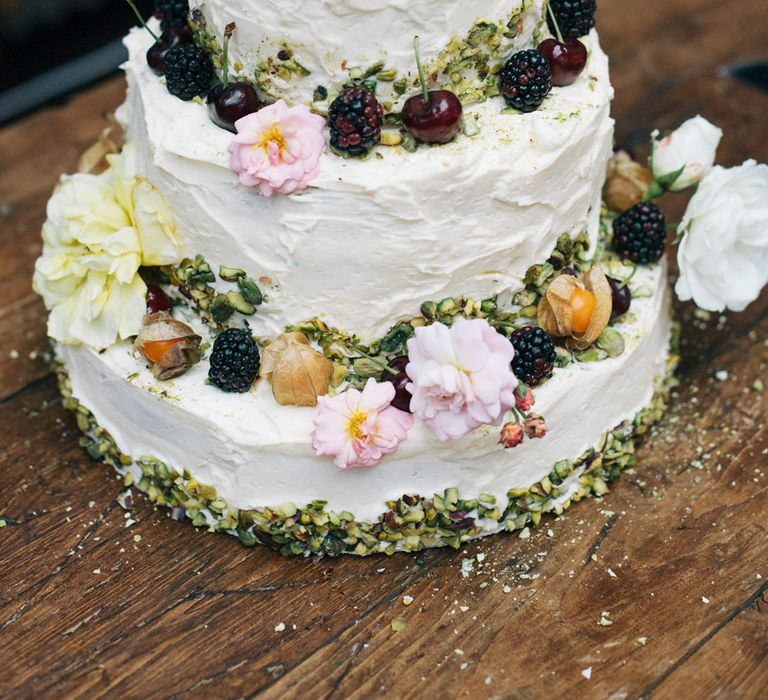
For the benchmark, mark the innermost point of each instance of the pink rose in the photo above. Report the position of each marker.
(278, 148)
(460, 376)
(359, 428)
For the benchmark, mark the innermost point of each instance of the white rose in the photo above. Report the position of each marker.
(100, 230)
(723, 255)
(691, 149)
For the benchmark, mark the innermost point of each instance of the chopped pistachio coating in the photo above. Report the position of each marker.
(409, 523)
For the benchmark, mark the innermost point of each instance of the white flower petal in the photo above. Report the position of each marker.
(723, 255)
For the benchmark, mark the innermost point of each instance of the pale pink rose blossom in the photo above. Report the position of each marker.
(278, 148)
(358, 428)
(460, 377)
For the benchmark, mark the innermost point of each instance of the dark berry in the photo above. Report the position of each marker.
(172, 13)
(403, 397)
(234, 361)
(229, 103)
(574, 17)
(431, 116)
(355, 118)
(534, 355)
(436, 121)
(566, 59)
(189, 71)
(621, 297)
(173, 36)
(157, 300)
(526, 79)
(640, 233)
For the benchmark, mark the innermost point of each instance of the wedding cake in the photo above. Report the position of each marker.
(356, 282)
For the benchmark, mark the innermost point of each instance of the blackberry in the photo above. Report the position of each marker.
(234, 361)
(172, 13)
(189, 71)
(534, 355)
(355, 119)
(574, 17)
(640, 233)
(526, 79)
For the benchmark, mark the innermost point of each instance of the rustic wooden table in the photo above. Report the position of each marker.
(675, 558)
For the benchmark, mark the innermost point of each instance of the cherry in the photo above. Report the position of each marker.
(567, 59)
(436, 120)
(403, 397)
(434, 116)
(157, 300)
(621, 296)
(228, 103)
(173, 36)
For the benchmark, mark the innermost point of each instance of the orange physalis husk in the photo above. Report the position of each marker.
(94, 159)
(298, 373)
(627, 182)
(555, 313)
(169, 346)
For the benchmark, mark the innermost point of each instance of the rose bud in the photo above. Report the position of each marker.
(535, 427)
(524, 397)
(511, 435)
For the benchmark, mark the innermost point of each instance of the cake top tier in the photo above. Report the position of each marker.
(305, 50)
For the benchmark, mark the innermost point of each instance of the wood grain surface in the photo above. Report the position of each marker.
(659, 590)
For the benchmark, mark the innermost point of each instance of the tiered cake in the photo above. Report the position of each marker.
(366, 265)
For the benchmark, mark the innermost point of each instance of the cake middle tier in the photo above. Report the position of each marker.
(370, 240)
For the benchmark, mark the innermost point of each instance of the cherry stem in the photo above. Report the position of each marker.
(141, 19)
(422, 76)
(554, 22)
(228, 31)
(379, 363)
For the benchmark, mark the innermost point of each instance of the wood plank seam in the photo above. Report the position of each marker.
(648, 691)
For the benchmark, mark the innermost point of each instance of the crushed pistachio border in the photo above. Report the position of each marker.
(355, 361)
(410, 523)
(468, 65)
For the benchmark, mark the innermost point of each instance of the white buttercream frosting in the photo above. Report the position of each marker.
(334, 40)
(258, 453)
(370, 240)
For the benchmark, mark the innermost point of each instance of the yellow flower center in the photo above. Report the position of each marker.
(355, 424)
(272, 135)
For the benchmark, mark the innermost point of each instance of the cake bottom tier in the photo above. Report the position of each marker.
(243, 464)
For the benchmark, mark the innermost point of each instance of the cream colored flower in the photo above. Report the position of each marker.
(723, 254)
(99, 230)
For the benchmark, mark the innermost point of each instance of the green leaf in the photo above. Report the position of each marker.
(666, 181)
